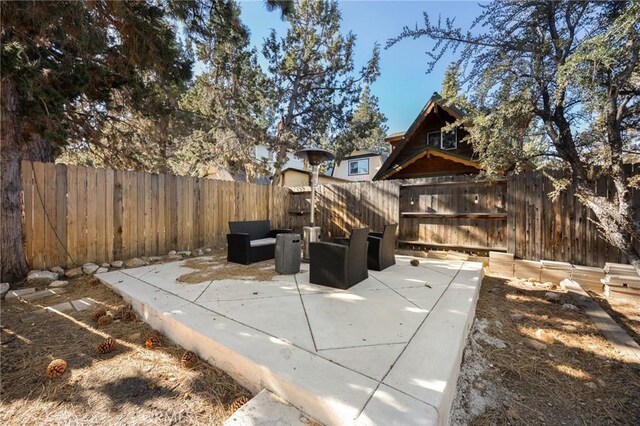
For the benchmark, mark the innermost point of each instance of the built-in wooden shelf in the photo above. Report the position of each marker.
(452, 246)
(490, 216)
(500, 181)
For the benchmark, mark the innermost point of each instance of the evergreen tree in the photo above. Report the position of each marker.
(556, 80)
(365, 128)
(231, 101)
(312, 73)
(56, 55)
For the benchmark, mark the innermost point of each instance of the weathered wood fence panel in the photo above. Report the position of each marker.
(557, 229)
(513, 214)
(454, 212)
(101, 215)
(74, 215)
(342, 207)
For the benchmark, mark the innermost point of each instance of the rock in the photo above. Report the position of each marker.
(58, 270)
(544, 336)
(570, 307)
(184, 253)
(117, 264)
(145, 259)
(59, 284)
(134, 263)
(4, 287)
(102, 270)
(155, 258)
(207, 250)
(539, 346)
(105, 265)
(199, 252)
(591, 385)
(42, 275)
(601, 383)
(43, 294)
(172, 253)
(74, 273)
(552, 297)
(89, 268)
(517, 317)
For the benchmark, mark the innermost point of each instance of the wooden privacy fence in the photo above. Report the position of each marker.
(74, 215)
(561, 229)
(513, 214)
(342, 207)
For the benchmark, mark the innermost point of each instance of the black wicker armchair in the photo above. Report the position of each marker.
(381, 252)
(340, 265)
(252, 241)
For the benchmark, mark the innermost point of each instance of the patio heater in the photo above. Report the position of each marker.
(315, 157)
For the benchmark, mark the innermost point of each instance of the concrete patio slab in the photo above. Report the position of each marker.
(386, 351)
(267, 409)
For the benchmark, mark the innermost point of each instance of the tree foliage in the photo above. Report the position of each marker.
(365, 128)
(231, 101)
(556, 82)
(313, 75)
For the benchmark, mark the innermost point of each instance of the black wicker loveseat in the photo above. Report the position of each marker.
(252, 241)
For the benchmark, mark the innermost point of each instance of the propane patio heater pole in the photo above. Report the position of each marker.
(314, 157)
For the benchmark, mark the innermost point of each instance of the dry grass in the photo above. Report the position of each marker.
(577, 380)
(216, 268)
(131, 385)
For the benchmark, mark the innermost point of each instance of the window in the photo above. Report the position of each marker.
(359, 167)
(443, 140)
(433, 139)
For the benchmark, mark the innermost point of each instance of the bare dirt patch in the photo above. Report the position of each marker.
(576, 378)
(131, 385)
(216, 268)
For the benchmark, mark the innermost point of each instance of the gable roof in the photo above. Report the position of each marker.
(427, 152)
(436, 101)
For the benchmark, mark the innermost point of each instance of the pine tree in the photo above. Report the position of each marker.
(231, 101)
(365, 128)
(57, 56)
(312, 73)
(555, 81)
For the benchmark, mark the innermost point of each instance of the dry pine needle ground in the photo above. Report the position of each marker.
(131, 385)
(577, 380)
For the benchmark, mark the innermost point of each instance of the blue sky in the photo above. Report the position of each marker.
(403, 87)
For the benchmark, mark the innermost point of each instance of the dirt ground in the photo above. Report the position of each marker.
(130, 386)
(575, 379)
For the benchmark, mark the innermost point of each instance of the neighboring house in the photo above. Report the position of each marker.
(264, 153)
(299, 177)
(425, 150)
(360, 165)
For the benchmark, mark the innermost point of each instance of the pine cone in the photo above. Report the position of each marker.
(414, 262)
(125, 313)
(236, 404)
(92, 280)
(104, 320)
(106, 346)
(98, 313)
(56, 368)
(152, 342)
(189, 360)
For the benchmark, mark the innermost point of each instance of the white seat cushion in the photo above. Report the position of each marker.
(262, 242)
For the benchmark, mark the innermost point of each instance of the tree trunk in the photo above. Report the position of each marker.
(14, 263)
